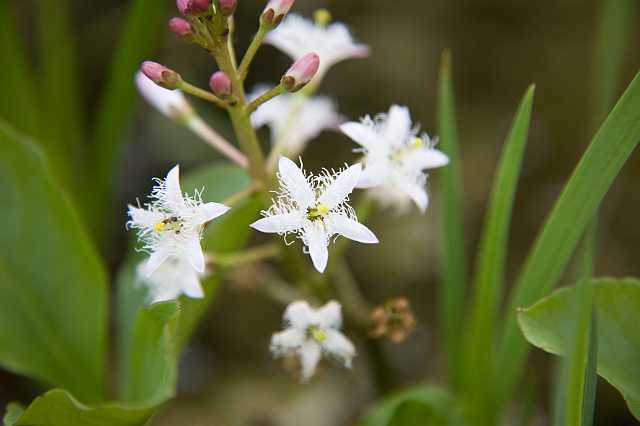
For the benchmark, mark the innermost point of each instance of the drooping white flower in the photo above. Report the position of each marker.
(171, 103)
(315, 208)
(395, 157)
(297, 36)
(310, 334)
(295, 119)
(174, 277)
(170, 226)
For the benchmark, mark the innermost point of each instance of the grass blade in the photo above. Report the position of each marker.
(62, 110)
(19, 105)
(454, 256)
(491, 262)
(592, 178)
(119, 97)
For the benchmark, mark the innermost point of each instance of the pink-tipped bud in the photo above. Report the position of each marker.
(228, 7)
(275, 11)
(161, 75)
(301, 73)
(220, 84)
(181, 27)
(193, 7)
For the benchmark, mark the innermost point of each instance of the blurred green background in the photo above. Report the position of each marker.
(499, 48)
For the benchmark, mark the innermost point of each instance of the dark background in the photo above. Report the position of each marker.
(499, 48)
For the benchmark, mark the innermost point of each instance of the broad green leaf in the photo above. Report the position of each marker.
(224, 234)
(62, 110)
(52, 283)
(19, 105)
(454, 257)
(424, 406)
(592, 178)
(491, 262)
(152, 363)
(137, 39)
(616, 304)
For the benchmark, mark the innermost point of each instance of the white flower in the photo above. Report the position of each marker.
(310, 333)
(297, 36)
(171, 103)
(174, 277)
(315, 208)
(395, 157)
(171, 224)
(295, 119)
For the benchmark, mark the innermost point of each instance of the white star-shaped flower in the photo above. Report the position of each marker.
(171, 225)
(295, 119)
(395, 157)
(315, 208)
(174, 277)
(310, 333)
(297, 36)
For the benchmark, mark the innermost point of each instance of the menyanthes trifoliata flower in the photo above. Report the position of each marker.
(395, 157)
(170, 226)
(297, 36)
(311, 333)
(315, 208)
(174, 277)
(171, 103)
(294, 119)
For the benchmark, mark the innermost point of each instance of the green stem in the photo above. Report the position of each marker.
(265, 97)
(202, 94)
(251, 52)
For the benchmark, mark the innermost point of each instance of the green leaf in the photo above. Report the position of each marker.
(119, 98)
(62, 110)
(152, 362)
(424, 406)
(454, 257)
(492, 259)
(52, 283)
(592, 178)
(224, 234)
(19, 105)
(616, 304)
(59, 408)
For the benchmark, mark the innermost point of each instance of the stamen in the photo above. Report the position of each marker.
(322, 17)
(317, 334)
(417, 142)
(317, 212)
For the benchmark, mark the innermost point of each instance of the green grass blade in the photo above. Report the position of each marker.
(18, 105)
(454, 256)
(592, 178)
(62, 111)
(138, 38)
(591, 375)
(491, 261)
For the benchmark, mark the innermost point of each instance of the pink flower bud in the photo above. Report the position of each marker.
(191, 7)
(275, 11)
(220, 84)
(301, 73)
(180, 27)
(227, 7)
(161, 75)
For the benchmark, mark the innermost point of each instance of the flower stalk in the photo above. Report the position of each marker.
(265, 97)
(202, 94)
(253, 48)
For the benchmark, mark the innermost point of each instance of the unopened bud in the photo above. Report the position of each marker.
(220, 84)
(161, 75)
(275, 11)
(301, 72)
(181, 27)
(227, 7)
(193, 7)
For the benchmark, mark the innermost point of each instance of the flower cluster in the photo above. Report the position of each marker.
(315, 209)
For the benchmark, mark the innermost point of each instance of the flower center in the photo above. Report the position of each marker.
(316, 333)
(317, 212)
(172, 224)
(322, 17)
(414, 144)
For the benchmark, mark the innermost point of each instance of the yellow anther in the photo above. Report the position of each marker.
(417, 143)
(160, 226)
(322, 17)
(318, 334)
(318, 211)
(323, 209)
